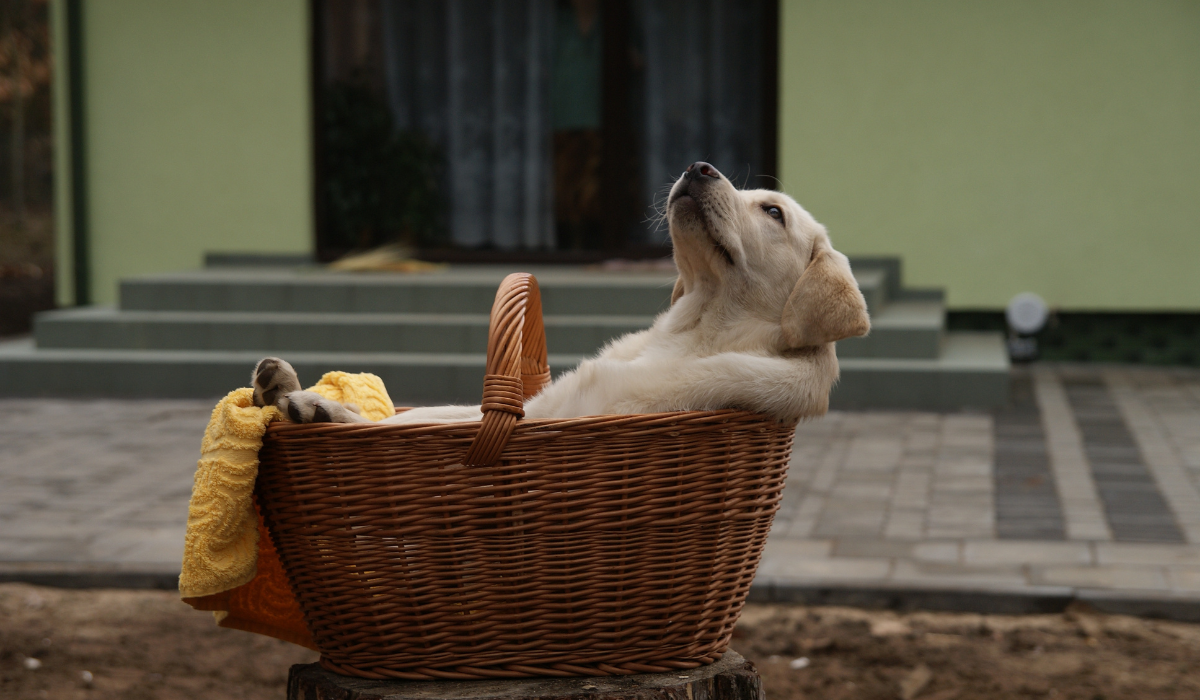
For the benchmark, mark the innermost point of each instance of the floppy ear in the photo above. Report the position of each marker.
(678, 290)
(825, 305)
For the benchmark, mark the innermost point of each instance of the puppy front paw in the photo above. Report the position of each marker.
(311, 407)
(272, 380)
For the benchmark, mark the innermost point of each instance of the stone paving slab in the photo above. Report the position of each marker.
(97, 482)
(879, 506)
(981, 565)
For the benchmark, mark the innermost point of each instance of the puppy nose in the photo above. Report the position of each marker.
(700, 169)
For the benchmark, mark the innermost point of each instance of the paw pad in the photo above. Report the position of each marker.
(272, 379)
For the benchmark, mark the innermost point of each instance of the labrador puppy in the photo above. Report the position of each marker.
(760, 300)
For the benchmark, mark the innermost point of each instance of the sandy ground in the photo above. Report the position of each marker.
(146, 644)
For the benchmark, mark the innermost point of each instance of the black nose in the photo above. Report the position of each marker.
(700, 169)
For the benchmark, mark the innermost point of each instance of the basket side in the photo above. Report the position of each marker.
(617, 545)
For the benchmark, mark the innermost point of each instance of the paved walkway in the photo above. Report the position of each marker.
(1087, 485)
(97, 482)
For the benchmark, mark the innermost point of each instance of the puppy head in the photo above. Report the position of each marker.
(758, 253)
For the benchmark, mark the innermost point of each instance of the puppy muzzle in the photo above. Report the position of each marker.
(695, 181)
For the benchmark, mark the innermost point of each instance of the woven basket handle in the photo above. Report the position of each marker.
(516, 365)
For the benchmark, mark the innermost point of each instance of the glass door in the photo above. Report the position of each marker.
(530, 130)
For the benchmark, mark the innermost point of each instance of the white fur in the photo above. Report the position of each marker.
(721, 344)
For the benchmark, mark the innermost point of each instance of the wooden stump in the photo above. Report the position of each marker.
(731, 678)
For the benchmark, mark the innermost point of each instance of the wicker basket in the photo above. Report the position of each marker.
(600, 545)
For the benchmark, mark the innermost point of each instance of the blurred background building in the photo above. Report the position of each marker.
(995, 148)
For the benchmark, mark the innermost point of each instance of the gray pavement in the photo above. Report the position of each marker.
(104, 483)
(1087, 485)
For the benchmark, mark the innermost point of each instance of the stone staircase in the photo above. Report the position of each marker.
(199, 333)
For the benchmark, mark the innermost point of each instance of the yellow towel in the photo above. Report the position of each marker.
(363, 390)
(229, 564)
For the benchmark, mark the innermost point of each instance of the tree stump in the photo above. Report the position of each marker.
(731, 678)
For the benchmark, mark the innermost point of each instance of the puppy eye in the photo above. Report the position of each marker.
(774, 212)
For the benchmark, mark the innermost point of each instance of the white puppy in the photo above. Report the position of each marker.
(760, 299)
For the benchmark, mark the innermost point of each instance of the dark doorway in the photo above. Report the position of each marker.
(531, 130)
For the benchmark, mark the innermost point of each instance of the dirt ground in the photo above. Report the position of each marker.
(136, 645)
(842, 653)
(146, 644)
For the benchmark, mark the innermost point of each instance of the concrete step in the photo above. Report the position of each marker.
(873, 283)
(565, 291)
(107, 328)
(199, 334)
(971, 372)
(411, 378)
(901, 329)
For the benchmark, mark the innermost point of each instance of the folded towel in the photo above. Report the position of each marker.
(366, 391)
(229, 563)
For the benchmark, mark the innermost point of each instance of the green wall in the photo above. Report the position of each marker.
(197, 118)
(998, 147)
(1006, 146)
(63, 243)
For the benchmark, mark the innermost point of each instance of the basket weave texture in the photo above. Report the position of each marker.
(601, 545)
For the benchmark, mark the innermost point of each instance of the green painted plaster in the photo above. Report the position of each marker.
(1000, 147)
(198, 119)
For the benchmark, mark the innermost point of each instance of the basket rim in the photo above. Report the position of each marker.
(281, 428)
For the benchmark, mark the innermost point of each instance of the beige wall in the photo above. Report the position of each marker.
(998, 147)
(198, 119)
